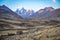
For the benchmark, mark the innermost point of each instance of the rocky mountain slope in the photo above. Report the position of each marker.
(7, 13)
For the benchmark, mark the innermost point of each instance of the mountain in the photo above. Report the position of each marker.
(7, 13)
(30, 12)
(43, 13)
(47, 12)
(25, 13)
(18, 11)
(47, 9)
(21, 11)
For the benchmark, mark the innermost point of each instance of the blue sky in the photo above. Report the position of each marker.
(30, 4)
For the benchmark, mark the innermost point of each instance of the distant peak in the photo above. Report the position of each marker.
(22, 8)
(4, 6)
(48, 8)
(18, 9)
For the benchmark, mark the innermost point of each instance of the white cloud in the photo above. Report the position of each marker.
(54, 1)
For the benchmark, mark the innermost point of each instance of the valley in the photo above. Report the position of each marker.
(31, 29)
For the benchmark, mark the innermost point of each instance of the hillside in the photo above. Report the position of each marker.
(6, 13)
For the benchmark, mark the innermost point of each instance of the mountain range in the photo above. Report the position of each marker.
(25, 13)
(47, 12)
